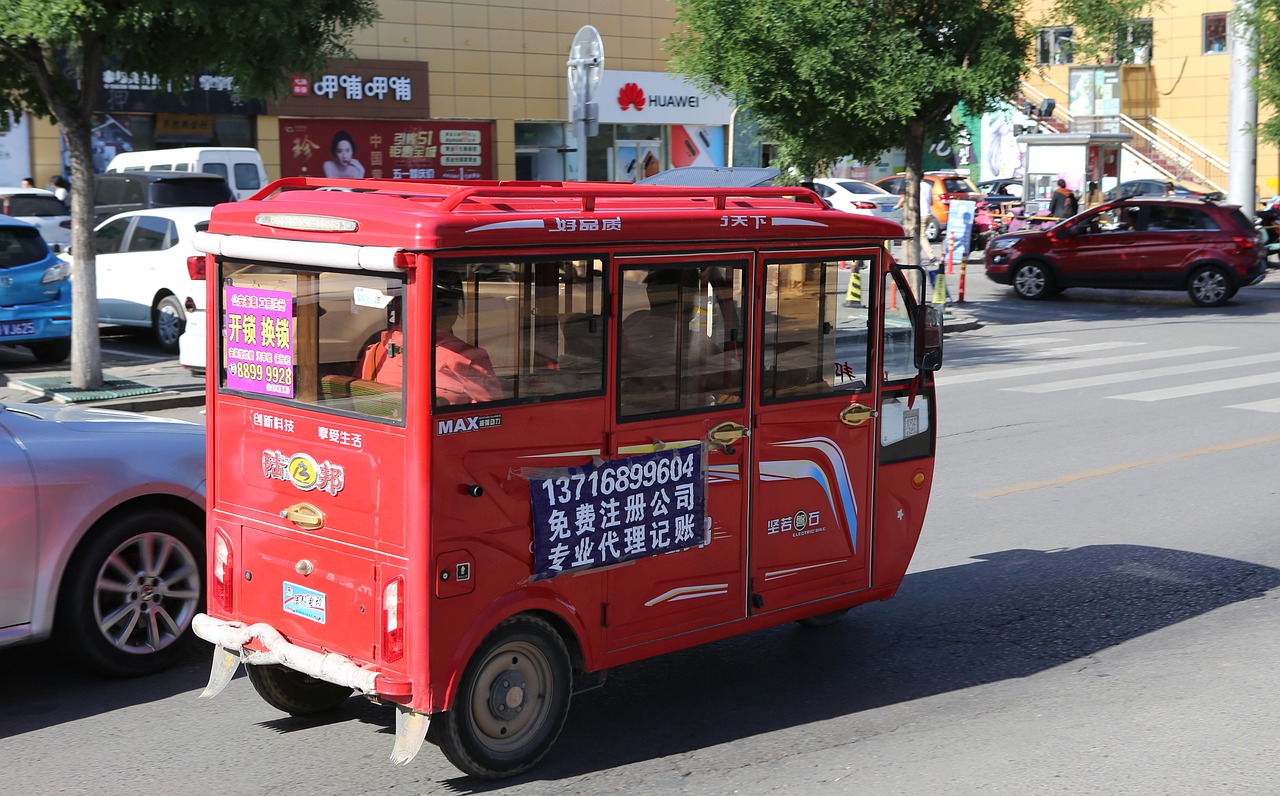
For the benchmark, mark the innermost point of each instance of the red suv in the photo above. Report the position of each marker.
(1209, 250)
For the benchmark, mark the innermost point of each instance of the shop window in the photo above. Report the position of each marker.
(1215, 33)
(1054, 46)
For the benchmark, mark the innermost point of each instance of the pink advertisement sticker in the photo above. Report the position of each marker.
(258, 333)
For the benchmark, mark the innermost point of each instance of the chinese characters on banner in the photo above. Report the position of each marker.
(633, 507)
(388, 149)
(258, 336)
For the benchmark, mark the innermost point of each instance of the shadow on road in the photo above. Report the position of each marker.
(1009, 615)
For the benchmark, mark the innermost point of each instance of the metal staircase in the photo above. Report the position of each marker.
(1159, 145)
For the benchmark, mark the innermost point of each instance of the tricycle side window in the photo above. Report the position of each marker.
(516, 331)
(333, 340)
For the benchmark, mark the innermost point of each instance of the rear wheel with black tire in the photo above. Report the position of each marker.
(53, 351)
(131, 591)
(511, 703)
(1033, 281)
(168, 319)
(295, 693)
(1209, 286)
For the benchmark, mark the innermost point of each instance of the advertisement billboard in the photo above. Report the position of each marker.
(386, 149)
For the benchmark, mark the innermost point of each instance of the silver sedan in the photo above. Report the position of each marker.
(102, 533)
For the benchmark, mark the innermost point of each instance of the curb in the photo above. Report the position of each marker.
(150, 403)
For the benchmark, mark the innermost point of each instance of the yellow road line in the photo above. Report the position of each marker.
(1116, 468)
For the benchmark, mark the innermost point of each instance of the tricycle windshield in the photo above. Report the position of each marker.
(332, 340)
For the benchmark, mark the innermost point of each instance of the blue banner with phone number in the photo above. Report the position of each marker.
(600, 514)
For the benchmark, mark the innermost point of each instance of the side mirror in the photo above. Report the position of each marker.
(928, 337)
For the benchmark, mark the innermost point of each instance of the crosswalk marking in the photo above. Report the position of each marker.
(1149, 373)
(1201, 388)
(945, 378)
(1270, 405)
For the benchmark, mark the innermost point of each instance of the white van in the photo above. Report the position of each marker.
(240, 166)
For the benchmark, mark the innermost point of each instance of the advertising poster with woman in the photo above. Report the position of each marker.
(386, 149)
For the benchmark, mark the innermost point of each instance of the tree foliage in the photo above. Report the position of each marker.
(1261, 21)
(830, 78)
(52, 53)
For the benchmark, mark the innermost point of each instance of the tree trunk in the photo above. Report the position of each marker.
(912, 220)
(86, 345)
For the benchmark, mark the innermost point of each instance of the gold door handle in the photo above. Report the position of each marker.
(304, 515)
(856, 414)
(724, 435)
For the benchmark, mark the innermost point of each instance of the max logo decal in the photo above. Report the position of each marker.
(304, 472)
(631, 95)
(460, 424)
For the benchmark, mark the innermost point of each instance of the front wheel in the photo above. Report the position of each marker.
(294, 692)
(1210, 286)
(167, 322)
(1033, 281)
(131, 591)
(511, 703)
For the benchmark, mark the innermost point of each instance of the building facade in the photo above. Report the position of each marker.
(478, 89)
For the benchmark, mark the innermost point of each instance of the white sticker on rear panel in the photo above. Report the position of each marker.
(306, 603)
(370, 297)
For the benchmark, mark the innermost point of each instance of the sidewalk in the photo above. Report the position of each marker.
(146, 387)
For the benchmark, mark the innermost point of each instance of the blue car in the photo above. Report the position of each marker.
(35, 293)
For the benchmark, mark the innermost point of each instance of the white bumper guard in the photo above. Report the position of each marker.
(229, 640)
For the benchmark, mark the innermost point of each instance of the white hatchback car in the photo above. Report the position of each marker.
(145, 273)
(41, 208)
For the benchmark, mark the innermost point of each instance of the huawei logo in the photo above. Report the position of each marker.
(631, 95)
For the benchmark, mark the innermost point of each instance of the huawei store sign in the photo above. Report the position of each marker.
(658, 98)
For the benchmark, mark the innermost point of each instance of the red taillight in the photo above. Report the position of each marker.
(66, 224)
(223, 571)
(393, 620)
(865, 205)
(1244, 243)
(195, 266)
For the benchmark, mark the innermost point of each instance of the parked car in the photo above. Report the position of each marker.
(1162, 188)
(241, 167)
(945, 187)
(1000, 192)
(102, 532)
(856, 196)
(143, 275)
(35, 294)
(1209, 250)
(121, 192)
(41, 208)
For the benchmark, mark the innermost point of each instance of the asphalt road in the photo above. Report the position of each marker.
(1093, 609)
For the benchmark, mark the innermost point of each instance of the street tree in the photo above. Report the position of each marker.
(53, 52)
(834, 78)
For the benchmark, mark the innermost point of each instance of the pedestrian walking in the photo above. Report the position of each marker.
(1064, 203)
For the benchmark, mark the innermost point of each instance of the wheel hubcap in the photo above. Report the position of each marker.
(1210, 287)
(511, 700)
(146, 593)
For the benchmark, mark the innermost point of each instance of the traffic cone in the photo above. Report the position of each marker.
(853, 293)
(940, 287)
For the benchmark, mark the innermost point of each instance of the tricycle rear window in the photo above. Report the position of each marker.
(329, 339)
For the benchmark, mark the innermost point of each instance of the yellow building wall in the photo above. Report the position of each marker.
(504, 59)
(1187, 88)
